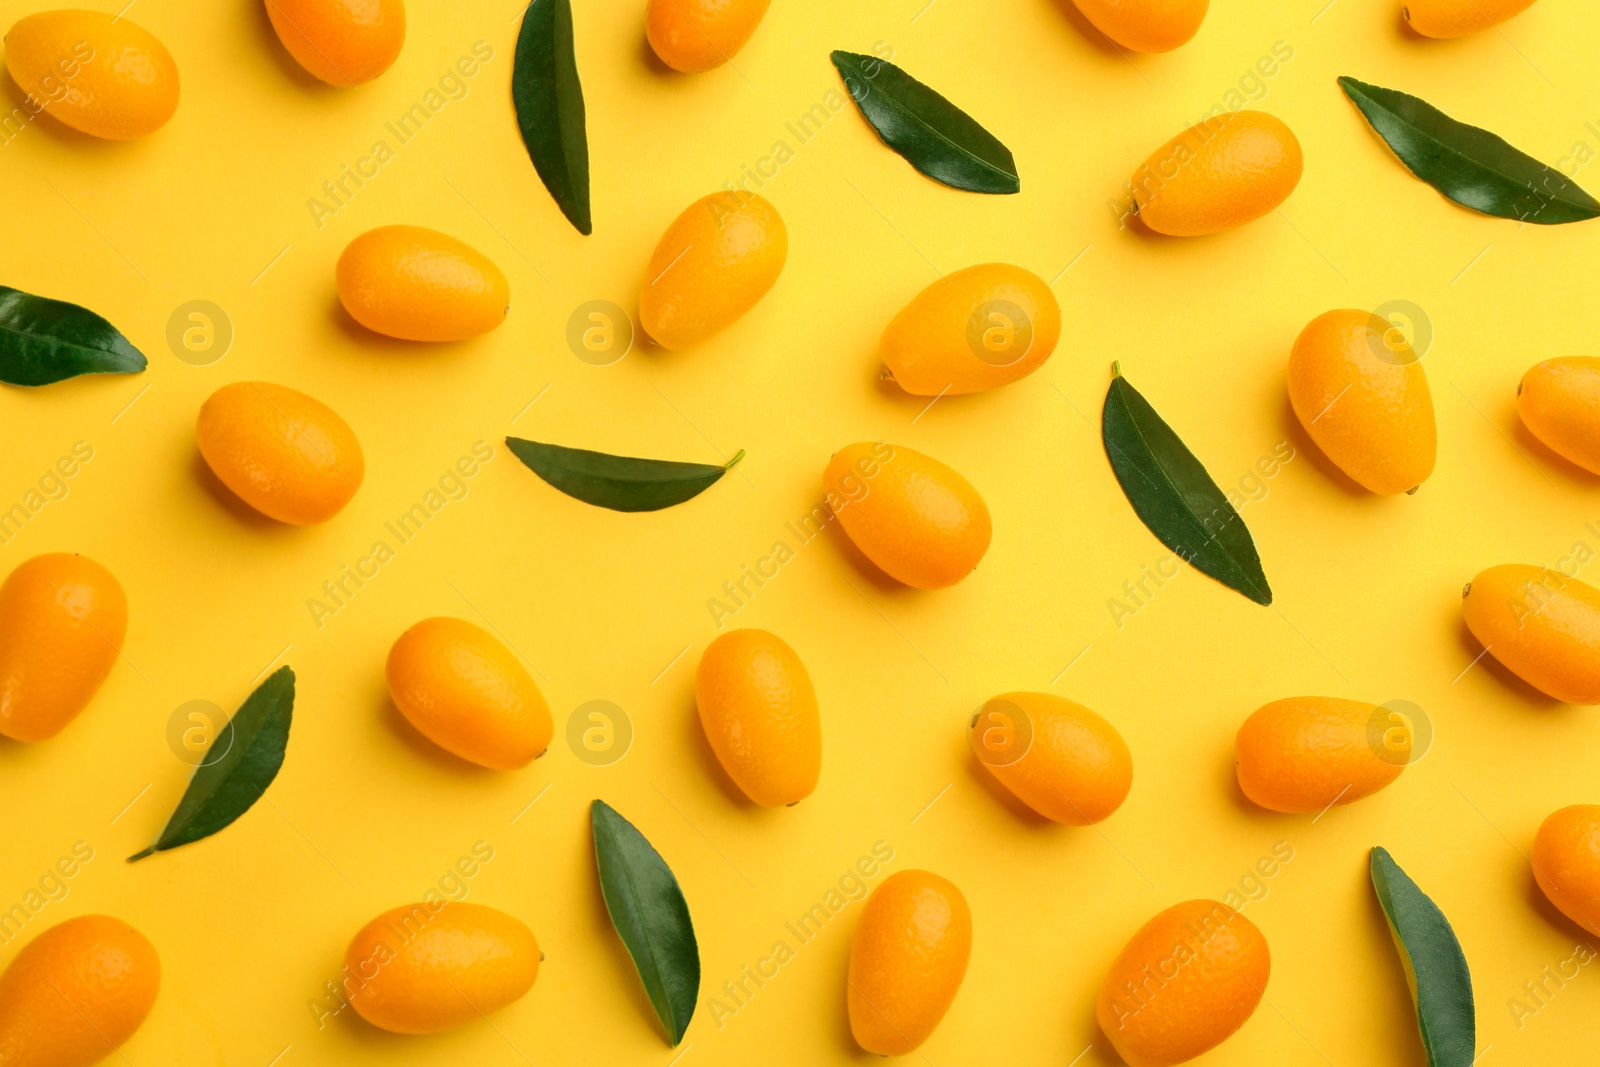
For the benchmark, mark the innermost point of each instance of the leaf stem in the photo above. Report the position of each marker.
(151, 851)
(728, 466)
(1116, 368)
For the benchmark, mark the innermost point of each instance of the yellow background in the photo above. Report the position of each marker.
(366, 815)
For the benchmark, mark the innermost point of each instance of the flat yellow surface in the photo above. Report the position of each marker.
(366, 815)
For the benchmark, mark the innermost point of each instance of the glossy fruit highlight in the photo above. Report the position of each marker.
(62, 621)
(1146, 25)
(98, 73)
(696, 35)
(342, 42)
(714, 263)
(284, 453)
(1222, 173)
(1457, 18)
(975, 329)
(1566, 863)
(759, 712)
(1544, 626)
(907, 959)
(1058, 757)
(918, 520)
(1304, 754)
(419, 284)
(1185, 982)
(1359, 390)
(467, 693)
(423, 968)
(76, 992)
(1559, 401)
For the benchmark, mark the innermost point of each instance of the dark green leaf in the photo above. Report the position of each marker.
(44, 341)
(1175, 496)
(620, 483)
(549, 102)
(934, 135)
(1436, 968)
(1471, 166)
(241, 762)
(650, 915)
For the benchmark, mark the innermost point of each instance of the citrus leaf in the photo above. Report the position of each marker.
(242, 761)
(549, 102)
(1436, 968)
(934, 135)
(652, 918)
(620, 483)
(44, 341)
(1174, 496)
(1471, 166)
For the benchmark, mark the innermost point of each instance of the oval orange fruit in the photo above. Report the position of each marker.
(759, 712)
(341, 42)
(76, 992)
(1544, 626)
(467, 693)
(714, 263)
(62, 621)
(696, 35)
(1058, 757)
(424, 968)
(1305, 754)
(1559, 401)
(1566, 863)
(98, 73)
(918, 520)
(1457, 18)
(1361, 394)
(975, 329)
(419, 284)
(1146, 25)
(284, 453)
(907, 958)
(1184, 983)
(1221, 173)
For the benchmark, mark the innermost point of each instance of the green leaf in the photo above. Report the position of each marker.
(934, 135)
(1436, 968)
(1175, 496)
(248, 752)
(620, 483)
(44, 341)
(651, 916)
(549, 102)
(1471, 166)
